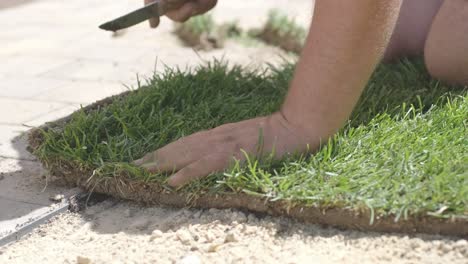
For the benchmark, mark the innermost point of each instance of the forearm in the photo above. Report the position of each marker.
(345, 43)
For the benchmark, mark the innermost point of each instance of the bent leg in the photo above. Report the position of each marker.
(446, 49)
(412, 28)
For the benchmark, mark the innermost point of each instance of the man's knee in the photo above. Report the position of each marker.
(443, 67)
(445, 50)
(446, 68)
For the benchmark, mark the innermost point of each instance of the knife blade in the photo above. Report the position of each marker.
(152, 10)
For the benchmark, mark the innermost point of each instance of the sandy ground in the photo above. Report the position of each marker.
(124, 232)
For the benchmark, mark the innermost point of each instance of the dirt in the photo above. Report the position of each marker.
(116, 230)
(287, 42)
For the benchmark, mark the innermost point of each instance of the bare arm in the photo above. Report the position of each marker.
(345, 42)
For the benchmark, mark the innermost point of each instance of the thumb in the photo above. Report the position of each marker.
(191, 8)
(154, 22)
(183, 13)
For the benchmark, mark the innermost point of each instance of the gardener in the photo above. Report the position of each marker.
(347, 39)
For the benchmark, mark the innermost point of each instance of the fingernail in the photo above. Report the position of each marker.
(138, 162)
(172, 182)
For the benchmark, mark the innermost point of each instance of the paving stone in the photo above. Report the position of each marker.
(21, 66)
(16, 111)
(13, 143)
(10, 209)
(111, 50)
(27, 87)
(97, 70)
(82, 92)
(25, 193)
(27, 181)
(74, 44)
(18, 218)
(39, 46)
(52, 115)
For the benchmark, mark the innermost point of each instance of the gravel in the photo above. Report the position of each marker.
(106, 232)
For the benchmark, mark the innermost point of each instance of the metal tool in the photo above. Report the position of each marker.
(152, 10)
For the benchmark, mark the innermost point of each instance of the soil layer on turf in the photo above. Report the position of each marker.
(147, 193)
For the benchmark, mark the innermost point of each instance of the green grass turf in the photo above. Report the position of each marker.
(403, 152)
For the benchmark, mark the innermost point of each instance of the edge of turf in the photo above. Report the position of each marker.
(150, 193)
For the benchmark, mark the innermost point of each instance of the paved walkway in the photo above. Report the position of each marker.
(55, 59)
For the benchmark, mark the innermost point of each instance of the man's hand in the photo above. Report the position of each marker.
(186, 10)
(214, 150)
(345, 43)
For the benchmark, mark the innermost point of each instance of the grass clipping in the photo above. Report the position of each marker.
(399, 165)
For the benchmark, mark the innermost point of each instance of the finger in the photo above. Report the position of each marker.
(201, 168)
(154, 167)
(178, 154)
(158, 163)
(154, 22)
(147, 158)
(183, 13)
(204, 6)
(186, 150)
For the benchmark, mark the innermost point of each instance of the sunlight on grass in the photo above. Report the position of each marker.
(403, 152)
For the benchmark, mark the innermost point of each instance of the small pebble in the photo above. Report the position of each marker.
(156, 234)
(190, 259)
(230, 238)
(83, 260)
(209, 236)
(414, 244)
(436, 243)
(57, 198)
(462, 244)
(213, 248)
(184, 237)
(193, 248)
(445, 248)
